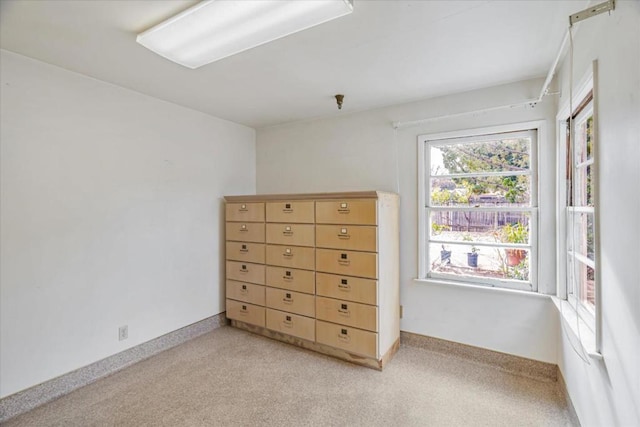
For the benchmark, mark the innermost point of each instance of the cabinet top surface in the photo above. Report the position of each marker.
(309, 196)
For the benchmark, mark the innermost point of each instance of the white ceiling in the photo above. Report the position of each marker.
(384, 53)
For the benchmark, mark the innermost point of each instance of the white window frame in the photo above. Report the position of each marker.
(424, 209)
(585, 316)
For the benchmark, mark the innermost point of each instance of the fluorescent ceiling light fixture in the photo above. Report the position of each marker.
(215, 29)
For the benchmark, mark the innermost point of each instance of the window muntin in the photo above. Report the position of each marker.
(580, 211)
(480, 209)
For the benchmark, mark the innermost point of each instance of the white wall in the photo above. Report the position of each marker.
(111, 215)
(608, 393)
(358, 152)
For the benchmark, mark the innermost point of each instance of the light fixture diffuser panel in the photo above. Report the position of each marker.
(215, 29)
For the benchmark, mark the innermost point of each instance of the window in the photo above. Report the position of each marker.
(479, 207)
(580, 232)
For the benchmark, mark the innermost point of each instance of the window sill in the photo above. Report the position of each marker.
(580, 336)
(479, 287)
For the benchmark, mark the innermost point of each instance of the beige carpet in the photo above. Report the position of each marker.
(232, 377)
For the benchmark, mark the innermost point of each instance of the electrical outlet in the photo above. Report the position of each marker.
(123, 332)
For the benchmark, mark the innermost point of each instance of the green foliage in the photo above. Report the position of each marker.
(489, 156)
(516, 189)
(442, 197)
(439, 228)
(515, 233)
(520, 271)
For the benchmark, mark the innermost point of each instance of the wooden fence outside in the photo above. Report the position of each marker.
(477, 221)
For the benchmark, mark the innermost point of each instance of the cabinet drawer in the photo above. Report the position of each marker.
(246, 292)
(347, 313)
(245, 231)
(291, 212)
(246, 272)
(291, 324)
(293, 302)
(349, 237)
(346, 212)
(346, 288)
(250, 212)
(245, 312)
(291, 256)
(291, 234)
(350, 339)
(292, 279)
(247, 252)
(360, 264)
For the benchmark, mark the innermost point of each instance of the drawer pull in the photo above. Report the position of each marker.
(344, 236)
(243, 208)
(287, 322)
(244, 289)
(287, 276)
(344, 310)
(344, 286)
(343, 260)
(344, 208)
(343, 336)
(287, 231)
(287, 253)
(243, 310)
(243, 227)
(287, 299)
(243, 269)
(287, 208)
(244, 249)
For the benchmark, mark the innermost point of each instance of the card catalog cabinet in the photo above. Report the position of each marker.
(320, 271)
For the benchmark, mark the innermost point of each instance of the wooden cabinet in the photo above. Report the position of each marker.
(351, 237)
(349, 263)
(246, 292)
(245, 212)
(317, 270)
(245, 258)
(363, 316)
(349, 288)
(291, 324)
(352, 340)
(347, 211)
(292, 302)
(291, 256)
(245, 252)
(291, 234)
(245, 231)
(291, 211)
(245, 312)
(292, 279)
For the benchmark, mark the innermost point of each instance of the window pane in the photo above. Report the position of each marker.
(584, 139)
(582, 240)
(499, 155)
(588, 288)
(461, 260)
(513, 190)
(480, 226)
(583, 186)
(583, 277)
(589, 148)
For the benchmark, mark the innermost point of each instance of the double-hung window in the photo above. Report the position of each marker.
(478, 207)
(580, 211)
